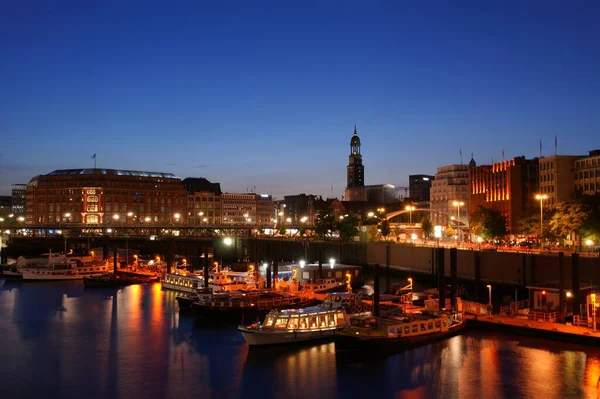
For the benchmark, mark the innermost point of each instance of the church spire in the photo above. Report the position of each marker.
(355, 129)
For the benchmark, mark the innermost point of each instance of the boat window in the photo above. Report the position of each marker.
(340, 318)
(445, 322)
(313, 322)
(293, 324)
(399, 330)
(423, 327)
(281, 322)
(391, 331)
(332, 319)
(437, 324)
(406, 329)
(323, 320)
(303, 323)
(415, 328)
(269, 322)
(430, 325)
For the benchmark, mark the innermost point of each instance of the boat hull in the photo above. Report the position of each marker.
(11, 275)
(264, 338)
(372, 345)
(239, 314)
(28, 276)
(175, 287)
(185, 302)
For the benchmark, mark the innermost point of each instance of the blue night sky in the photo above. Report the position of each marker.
(249, 93)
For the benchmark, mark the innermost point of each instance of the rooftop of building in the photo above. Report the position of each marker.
(200, 184)
(111, 172)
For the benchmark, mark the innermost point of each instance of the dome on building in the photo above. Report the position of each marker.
(355, 140)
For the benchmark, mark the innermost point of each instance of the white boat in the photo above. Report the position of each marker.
(306, 324)
(227, 280)
(182, 282)
(66, 269)
(324, 285)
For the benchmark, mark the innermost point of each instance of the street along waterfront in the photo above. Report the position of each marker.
(60, 340)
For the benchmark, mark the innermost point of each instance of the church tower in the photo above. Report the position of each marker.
(355, 169)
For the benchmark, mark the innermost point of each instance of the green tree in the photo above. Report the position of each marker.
(426, 227)
(384, 226)
(570, 218)
(324, 224)
(348, 227)
(488, 223)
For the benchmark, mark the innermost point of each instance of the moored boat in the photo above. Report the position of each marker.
(397, 331)
(324, 285)
(305, 324)
(109, 280)
(240, 306)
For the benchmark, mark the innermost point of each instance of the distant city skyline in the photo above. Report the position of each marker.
(269, 97)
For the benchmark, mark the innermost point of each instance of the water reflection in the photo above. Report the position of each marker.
(132, 343)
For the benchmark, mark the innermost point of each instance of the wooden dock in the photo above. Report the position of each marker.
(537, 329)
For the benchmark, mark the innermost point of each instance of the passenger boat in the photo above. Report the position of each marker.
(237, 306)
(324, 285)
(397, 331)
(58, 271)
(181, 282)
(306, 324)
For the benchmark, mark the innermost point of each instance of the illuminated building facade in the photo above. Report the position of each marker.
(587, 174)
(451, 184)
(557, 177)
(508, 187)
(105, 196)
(250, 209)
(203, 201)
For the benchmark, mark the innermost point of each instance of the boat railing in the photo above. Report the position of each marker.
(515, 307)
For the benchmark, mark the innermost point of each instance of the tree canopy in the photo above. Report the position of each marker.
(488, 223)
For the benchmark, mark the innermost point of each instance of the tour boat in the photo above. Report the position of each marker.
(58, 271)
(237, 306)
(397, 331)
(306, 324)
(187, 283)
(324, 285)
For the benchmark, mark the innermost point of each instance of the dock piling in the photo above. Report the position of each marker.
(561, 287)
(477, 276)
(453, 276)
(206, 268)
(441, 278)
(376, 290)
(575, 283)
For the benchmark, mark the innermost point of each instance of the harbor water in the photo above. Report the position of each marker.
(60, 340)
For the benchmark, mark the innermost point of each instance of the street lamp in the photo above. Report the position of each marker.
(410, 285)
(177, 216)
(458, 204)
(541, 198)
(370, 214)
(410, 208)
(302, 264)
(489, 287)
(332, 262)
(147, 219)
(589, 243)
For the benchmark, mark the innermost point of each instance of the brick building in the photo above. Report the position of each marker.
(507, 186)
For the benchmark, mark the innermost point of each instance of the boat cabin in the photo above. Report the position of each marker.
(321, 284)
(302, 321)
(403, 325)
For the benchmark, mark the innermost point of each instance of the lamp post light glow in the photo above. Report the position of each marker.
(302, 264)
(21, 219)
(489, 287)
(589, 243)
(304, 219)
(332, 262)
(541, 198)
(227, 241)
(147, 219)
(410, 208)
(413, 236)
(410, 283)
(370, 214)
(458, 204)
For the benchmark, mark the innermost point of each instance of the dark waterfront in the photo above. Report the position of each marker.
(61, 340)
